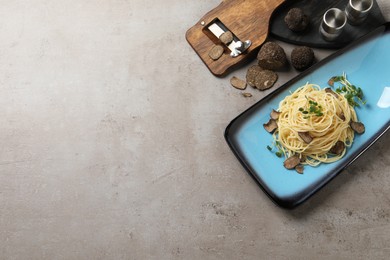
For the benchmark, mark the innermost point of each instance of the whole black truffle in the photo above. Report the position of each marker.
(296, 20)
(302, 57)
(271, 56)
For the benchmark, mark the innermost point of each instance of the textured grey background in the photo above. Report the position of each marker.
(112, 147)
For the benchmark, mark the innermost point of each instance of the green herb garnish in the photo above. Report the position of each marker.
(277, 145)
(334, 79)
(313, 109)
(353, 94)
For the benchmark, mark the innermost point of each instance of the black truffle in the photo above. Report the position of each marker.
(271, 126)
(338, 148)
(251, 75)
(358, 127)
(271, 56)
(302, 57)
(292, 162)
(296, 20)
(265, 79)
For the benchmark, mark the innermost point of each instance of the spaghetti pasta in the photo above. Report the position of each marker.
(311, 122)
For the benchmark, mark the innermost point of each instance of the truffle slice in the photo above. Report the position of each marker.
(226, 37)
(299, 168)
(265, 79)
(329, 90)
(338, 148)
(358, 127)
(251, 74)
(302, 57)
(238, 83)
(246, 94)
(275, 114)
(216, 52)
(306, 137)
(291, 162)
(342, 116)
(271, 126)
(271, 56)
(296, 20)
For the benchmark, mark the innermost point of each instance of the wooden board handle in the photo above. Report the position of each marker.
(246, 19)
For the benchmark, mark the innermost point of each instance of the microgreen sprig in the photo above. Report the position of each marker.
(313, 109)
(353, 94)
(277, 145)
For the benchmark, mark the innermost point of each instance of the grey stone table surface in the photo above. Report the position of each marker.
(112, 147)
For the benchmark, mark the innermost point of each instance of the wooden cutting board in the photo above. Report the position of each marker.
(246, 19)
(315, 9)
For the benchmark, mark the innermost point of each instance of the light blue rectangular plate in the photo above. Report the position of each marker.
(367, 65)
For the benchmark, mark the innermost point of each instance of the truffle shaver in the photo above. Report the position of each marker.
(247, 20)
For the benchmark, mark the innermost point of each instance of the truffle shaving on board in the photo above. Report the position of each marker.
(216, 52)
(226, 37)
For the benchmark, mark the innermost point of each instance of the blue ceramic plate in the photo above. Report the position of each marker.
(367, 65)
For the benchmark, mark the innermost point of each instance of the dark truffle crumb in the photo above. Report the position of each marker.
(296, 20)
(271, 56)
(302, 57)
(246, 94)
